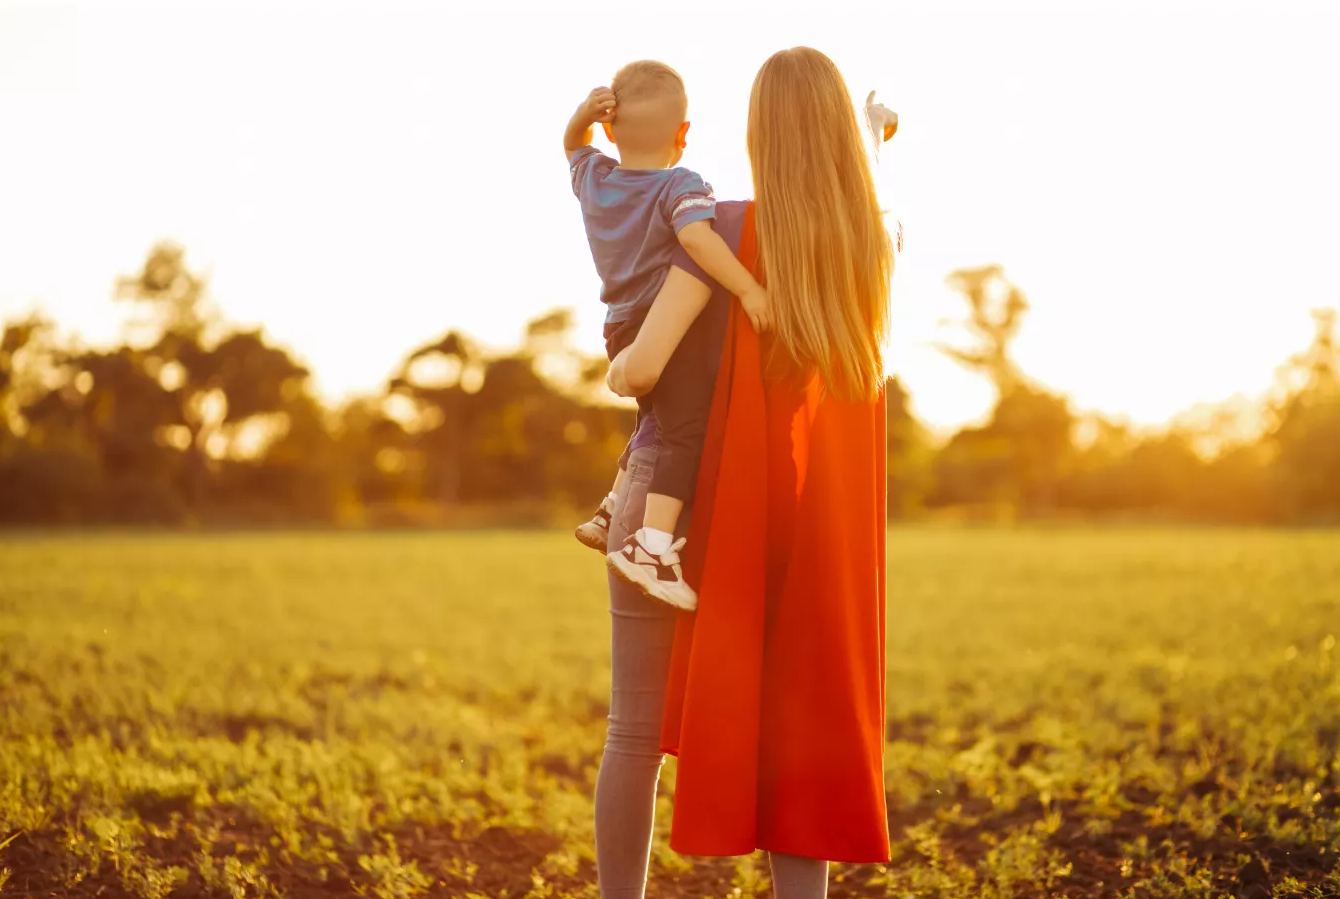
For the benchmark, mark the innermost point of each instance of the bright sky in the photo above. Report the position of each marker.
(1160, 179)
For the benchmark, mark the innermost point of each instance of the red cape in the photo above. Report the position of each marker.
(775, 704)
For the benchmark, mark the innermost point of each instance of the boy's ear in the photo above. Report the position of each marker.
(609, 132)
(680, 136)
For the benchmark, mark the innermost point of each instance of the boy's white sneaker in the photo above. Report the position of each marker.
(659, 576)
(596, 532)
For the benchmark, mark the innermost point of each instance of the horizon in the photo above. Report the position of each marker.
(326, 184)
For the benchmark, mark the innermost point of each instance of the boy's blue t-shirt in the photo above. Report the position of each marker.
(632, 218)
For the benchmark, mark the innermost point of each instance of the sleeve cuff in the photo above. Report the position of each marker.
(581, 153)
(693, 209)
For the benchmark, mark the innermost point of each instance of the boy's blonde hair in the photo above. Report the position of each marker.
(823, 247)
(651, 105)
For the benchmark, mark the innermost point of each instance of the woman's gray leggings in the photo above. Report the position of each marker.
(643, 631)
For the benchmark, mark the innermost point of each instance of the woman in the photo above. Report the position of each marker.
(772, 694)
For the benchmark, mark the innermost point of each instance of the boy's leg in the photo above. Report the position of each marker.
(662, 514)
(595, 532)
(660, 521)
(662, 511)
(681, 404)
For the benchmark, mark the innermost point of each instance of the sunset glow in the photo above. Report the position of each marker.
(1161, 182)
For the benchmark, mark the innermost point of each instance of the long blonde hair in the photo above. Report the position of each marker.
(823, 249)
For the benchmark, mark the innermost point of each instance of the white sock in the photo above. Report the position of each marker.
(608, 502)
(654, 541)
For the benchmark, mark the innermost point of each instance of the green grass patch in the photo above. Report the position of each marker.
(1072, 712)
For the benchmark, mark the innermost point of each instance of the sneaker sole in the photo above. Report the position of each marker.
(633, 574)
(593, 540)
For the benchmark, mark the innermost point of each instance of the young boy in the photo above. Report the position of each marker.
(635, 209)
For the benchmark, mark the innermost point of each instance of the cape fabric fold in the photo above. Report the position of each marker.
(775, 702)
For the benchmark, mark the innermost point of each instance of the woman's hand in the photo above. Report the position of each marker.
(616, 379)
(883, 121)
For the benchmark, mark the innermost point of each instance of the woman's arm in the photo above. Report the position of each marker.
(616, 379)
(636, 370)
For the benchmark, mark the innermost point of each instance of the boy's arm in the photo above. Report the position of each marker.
(597, 107)
(706, 248)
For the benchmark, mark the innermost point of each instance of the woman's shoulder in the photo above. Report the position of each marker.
(732, 209)
(730, 221)
(729, 225)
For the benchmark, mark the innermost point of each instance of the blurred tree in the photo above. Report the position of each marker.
(174, 298)
(142, 427)
(909, 454)
(108, 415)
(441, 379)
(1306, 432)
(1097, 481)
(25, 352)
(220, 383)
(996, 310)
(973, 469)
(1164, 475)
(1038, 426)
(1018, 458)
(379, 470)
(51, 479)
(519, 423)
(296, 475)
(1021, 455)
(1237, 486)
(189, 417)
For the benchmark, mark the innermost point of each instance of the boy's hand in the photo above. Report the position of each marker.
(756, 306)
(597, 107)
(883, 121)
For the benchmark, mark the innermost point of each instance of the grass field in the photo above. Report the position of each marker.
(1072, 713)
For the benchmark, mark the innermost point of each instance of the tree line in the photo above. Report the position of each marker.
(190, 419)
